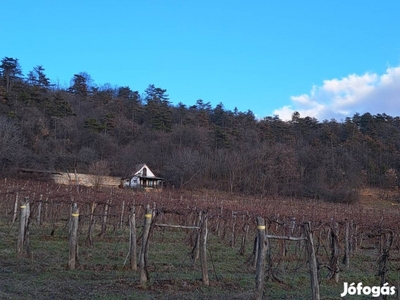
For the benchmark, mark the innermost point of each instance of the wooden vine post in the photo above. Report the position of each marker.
(334, 245)
(15, 208)
(203, 249)
(260, 253)
(244, 239)
(233, 235)
(196, 248)
(347, 246)
(121, 220)
(255, 252)
(89, 240)
(132, 239)
(39, 211)
(23, 234)
(312, 260)
(386, 242)
(73, 237)
(105, 215)
(144, 275)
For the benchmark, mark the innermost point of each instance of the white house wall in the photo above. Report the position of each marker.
(149, 172)
(135, 182)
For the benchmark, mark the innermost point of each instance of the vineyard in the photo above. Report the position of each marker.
(69, 242)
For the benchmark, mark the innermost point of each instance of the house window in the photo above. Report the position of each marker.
(144, 172)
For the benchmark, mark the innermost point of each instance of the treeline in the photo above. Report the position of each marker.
(107, 130)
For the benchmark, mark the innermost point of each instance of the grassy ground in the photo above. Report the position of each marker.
(101, 273)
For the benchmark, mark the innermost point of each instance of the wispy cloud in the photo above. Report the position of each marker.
(340, 98)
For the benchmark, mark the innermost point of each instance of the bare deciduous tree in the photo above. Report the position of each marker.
(10, 142)
(99, 169)
(183, 166)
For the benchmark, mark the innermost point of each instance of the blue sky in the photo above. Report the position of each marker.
(325, 59)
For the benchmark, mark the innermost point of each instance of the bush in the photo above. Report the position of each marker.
(341, 195)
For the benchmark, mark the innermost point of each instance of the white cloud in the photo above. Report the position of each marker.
(341, 98)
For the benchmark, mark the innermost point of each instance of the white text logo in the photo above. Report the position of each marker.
(374, 291)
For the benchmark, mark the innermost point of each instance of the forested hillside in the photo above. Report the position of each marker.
(107, 130)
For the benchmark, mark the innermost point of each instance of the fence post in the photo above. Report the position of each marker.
(312, 260)
(73, 237)
(23, 241)
(203, 249)
(144, 275)
(260, 258)
(132, 239)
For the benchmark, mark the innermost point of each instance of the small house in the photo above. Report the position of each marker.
(143, 177)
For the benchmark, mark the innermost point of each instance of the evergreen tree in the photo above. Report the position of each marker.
(157, 108)
(10, 71)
